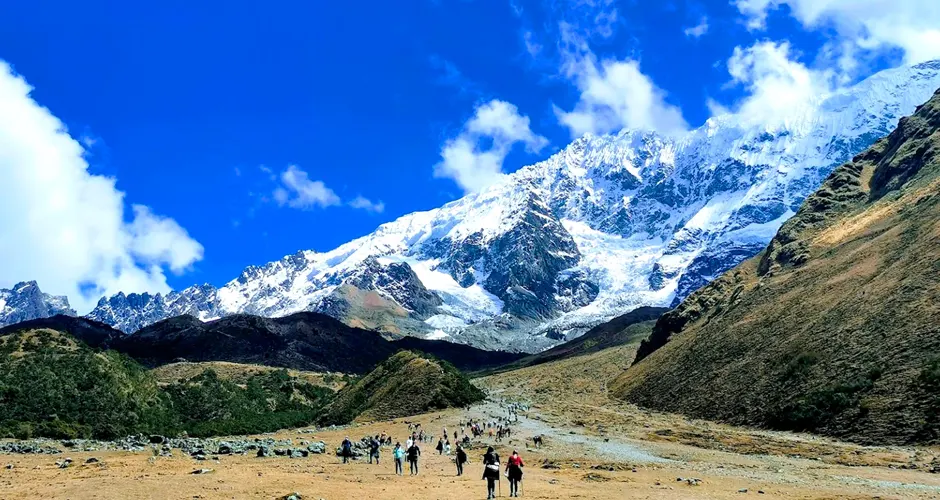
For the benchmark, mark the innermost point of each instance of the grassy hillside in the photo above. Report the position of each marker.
(834, 327)
(53, 385)
(241, 373)
(405, 384)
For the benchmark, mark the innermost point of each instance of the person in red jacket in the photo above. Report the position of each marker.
(514, 472)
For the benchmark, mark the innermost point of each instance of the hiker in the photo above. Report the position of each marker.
(491, 472)
(447, 447)
(460, 459)
(374, 450)
(398, 453)
(440, 447)
(537, 441)
(409, 442)
(455, 435)
(413, 453)
(514, 472)
(347, 450)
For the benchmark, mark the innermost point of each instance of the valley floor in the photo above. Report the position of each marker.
(595, 448)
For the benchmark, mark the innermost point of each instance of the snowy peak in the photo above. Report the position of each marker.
(25, 301)
(608, 224)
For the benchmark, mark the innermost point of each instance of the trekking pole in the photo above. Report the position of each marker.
(499, 484)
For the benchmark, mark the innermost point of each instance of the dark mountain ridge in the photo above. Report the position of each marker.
(303, 341)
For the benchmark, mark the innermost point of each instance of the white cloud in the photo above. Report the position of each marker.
(368, 205)
(469, 162)
(64, 226)
(911, 25)
(614, 94)
(531, 45)
(298, 191)
(779, 87)
(698, 30)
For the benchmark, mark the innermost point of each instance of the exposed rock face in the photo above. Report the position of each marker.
(25, 301)
(398, 282)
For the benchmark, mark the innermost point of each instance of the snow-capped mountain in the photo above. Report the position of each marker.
(25, 301)
(608, 224)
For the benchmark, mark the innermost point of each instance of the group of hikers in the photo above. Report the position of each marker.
(411, 451)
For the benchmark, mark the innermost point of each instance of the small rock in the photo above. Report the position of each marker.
(292, 496)
(92, 460)
(201, 471)
(9, 466)
(760, 492)
(64, 463)
(742, 490)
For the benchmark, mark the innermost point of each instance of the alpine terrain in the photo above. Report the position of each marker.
(25, 301)
(833, 328)
(608, 224)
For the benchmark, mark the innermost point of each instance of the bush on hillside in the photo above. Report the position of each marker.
(818, 408)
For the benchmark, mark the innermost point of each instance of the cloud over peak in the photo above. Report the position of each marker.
(615, 94)
(474, 159)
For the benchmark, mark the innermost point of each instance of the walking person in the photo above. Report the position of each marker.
(447, 447)
(491, 472)
(460, 459)
(440, 447)
(413, 453)
(374, 450)
(514, 472)
(347, 450)
(399, 454)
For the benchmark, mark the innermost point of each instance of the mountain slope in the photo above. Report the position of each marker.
(303, 341)
(833, 327)
(405, 384)
(93, 333)
(624, 329)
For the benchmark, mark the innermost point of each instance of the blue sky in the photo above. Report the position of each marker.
(244, 131)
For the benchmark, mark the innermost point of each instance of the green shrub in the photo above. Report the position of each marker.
(820, 407)
(800, 365)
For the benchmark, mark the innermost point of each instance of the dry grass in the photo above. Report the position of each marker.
(177, 372)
